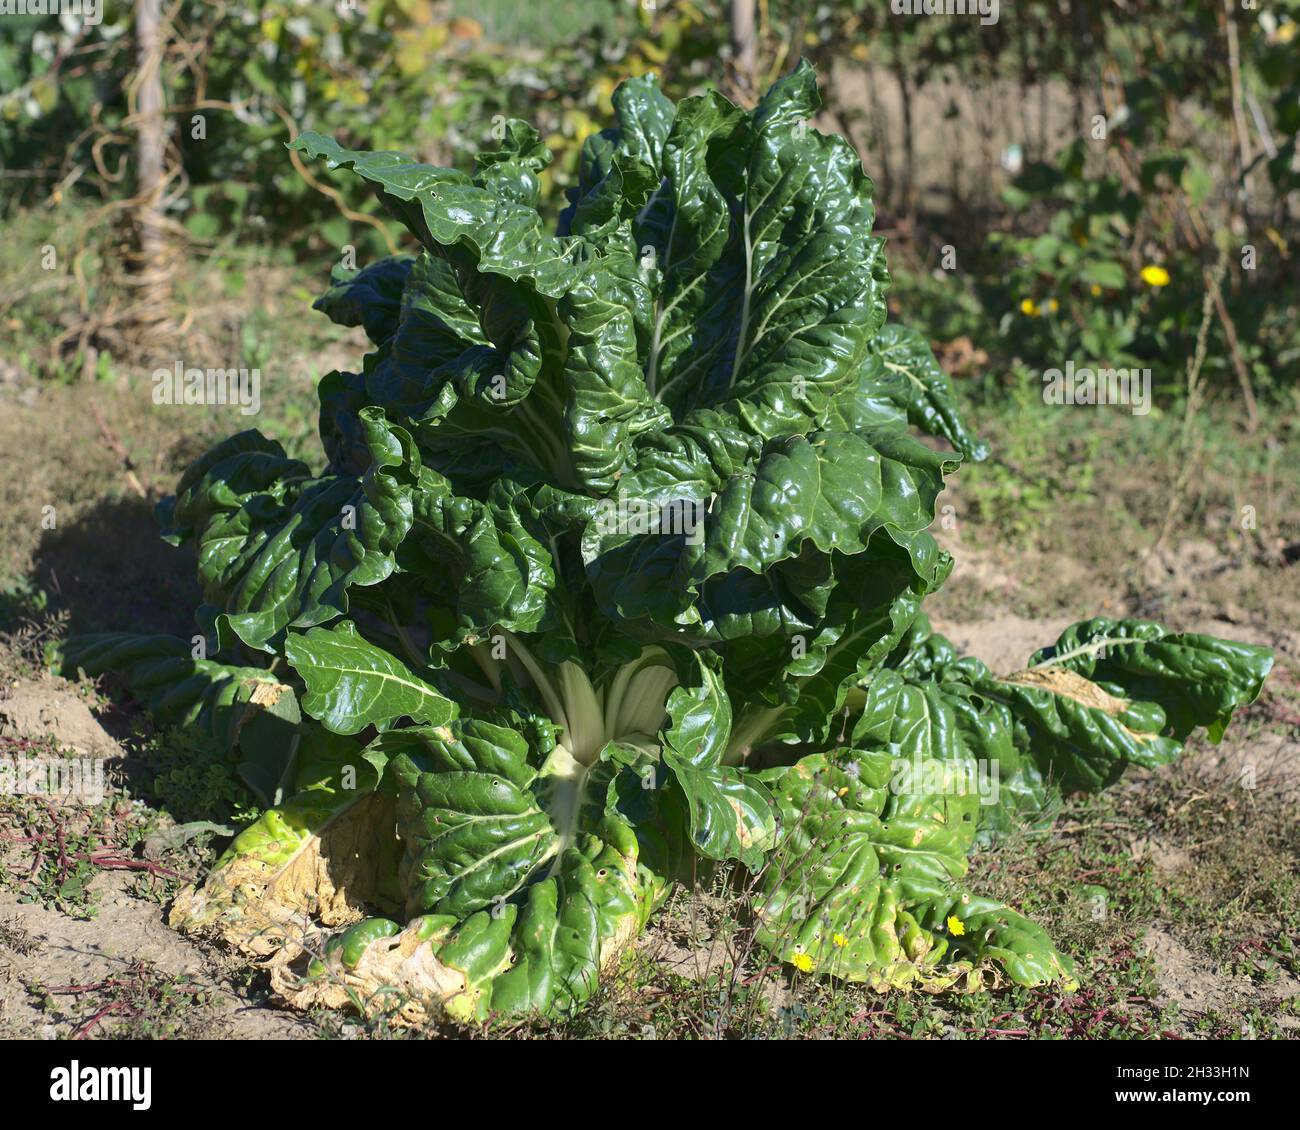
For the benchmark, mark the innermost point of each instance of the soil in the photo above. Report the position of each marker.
(1197, 986)
(49, 707)
(126, 933)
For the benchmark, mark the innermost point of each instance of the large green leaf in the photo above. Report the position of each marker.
(864, 883)
(902, 371)
(529, 865)
(474, 830)
(436, 351)
(1093, 704)
(830, 492)
(560, 354)
(876, 597)
(948, 719)
(352, 684)
(370, 297)
(244, 707)
(833, 489)
(609, 158)
(178, 689)
(767, 284)
(730, 813)
(498, 572)
(450, 210)
(278, 549)
(1198, 680)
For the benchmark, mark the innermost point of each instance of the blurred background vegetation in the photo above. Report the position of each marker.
(1059, 184)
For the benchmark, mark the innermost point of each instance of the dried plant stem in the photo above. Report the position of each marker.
(1189, 441)
(1234, 351)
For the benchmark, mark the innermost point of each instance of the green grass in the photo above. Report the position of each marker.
(1047, 461)
(52, 853)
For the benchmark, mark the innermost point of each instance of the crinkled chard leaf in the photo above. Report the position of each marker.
(729, 813)
(435, 352)
(501, 572)
(244, 707)
(369, 297)
(767, 284)
(352, 683)
(1091, 705)
(326, 853)
(903, 372)
(803, 680)
(864, 882)
(829, 491)
(474, 830)
(833, 489)
(278, 549)
(950, 720)
(534, 870)
(1197, 680)
(178, 689)
(557, 381)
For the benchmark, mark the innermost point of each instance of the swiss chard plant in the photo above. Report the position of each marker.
(613, 572)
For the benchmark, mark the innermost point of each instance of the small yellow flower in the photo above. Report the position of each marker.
(840, 940)
(802, 962)
(1053, 306)
(1028, 307)
(1155, 276)
(956, 927)
(1096, 290)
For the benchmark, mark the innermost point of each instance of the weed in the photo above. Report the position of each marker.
(141, 1003)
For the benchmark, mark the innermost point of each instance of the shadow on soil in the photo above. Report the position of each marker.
(108, 570)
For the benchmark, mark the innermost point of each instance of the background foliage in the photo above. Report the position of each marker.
(1051, 231)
